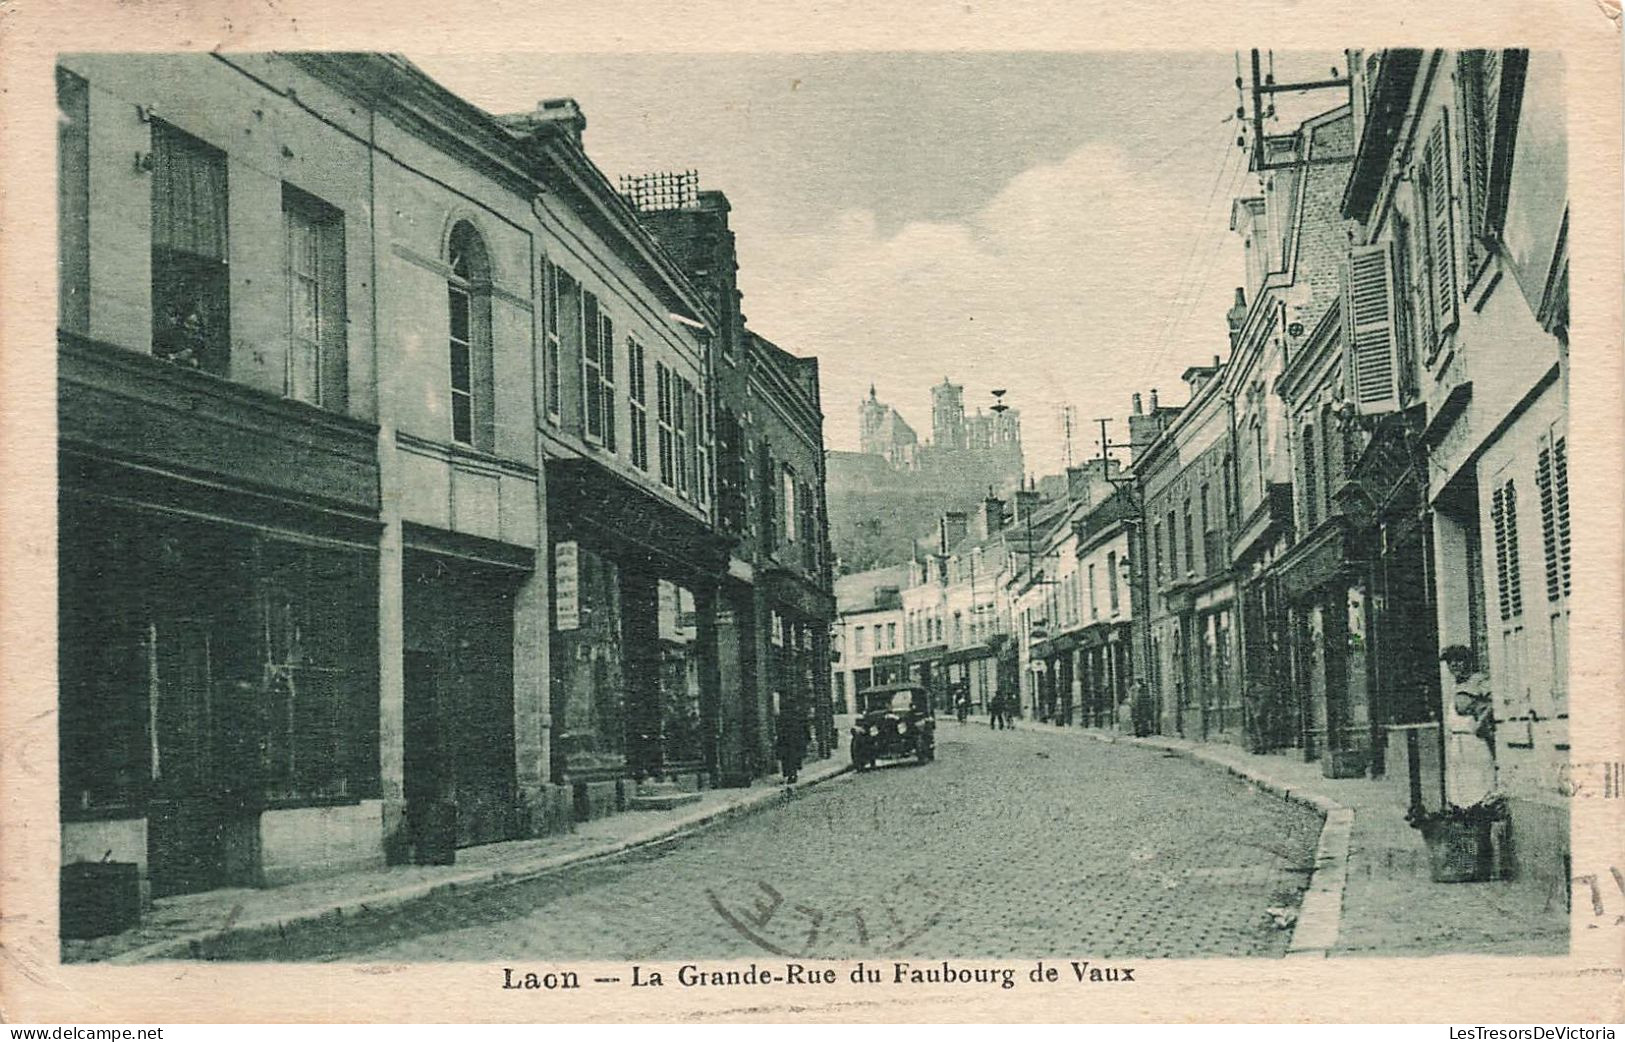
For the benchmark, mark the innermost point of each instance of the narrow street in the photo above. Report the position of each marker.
(1011, 843)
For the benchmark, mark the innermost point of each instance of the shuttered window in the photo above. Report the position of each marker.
(1508, 581)
(1311, 495)
(1478, 83)
(606, 379)
(550, 343)
(1369, 329)
(1434, 197)
(664, 393)
(592, 368)
(1552, 477)
(637, 397)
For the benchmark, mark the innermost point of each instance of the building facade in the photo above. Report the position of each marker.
(778, 602)
(1457, 345)
(388, 513)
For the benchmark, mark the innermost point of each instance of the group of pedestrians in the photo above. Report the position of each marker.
(1001, 710)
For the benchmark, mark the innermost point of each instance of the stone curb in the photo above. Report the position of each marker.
(191, 945)
(1320, 914)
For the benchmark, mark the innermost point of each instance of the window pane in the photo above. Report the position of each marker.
(462, 417)
(188, 194)
(303, 369)
(306, 309)
(459, 313)
(460, 368)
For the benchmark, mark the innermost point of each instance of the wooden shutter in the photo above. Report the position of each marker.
(1498, 522)
(1548, 520)
(1560, 497)
(606, 355)
(1371, 347)
(1509, 580)
(1440, 228)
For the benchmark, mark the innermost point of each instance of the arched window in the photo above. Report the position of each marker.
(468, 302)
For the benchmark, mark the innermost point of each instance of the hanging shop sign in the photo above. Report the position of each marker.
(567, 586)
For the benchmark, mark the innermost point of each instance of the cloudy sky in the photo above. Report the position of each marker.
(1053, 224)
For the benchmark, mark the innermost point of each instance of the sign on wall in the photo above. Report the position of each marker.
(567, 586)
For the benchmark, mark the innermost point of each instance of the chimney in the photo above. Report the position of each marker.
(1077, 483)
(1153, 399)
(993, 514)
(1138, 411)
(952, 530)
(1026, 504)
(563, 112)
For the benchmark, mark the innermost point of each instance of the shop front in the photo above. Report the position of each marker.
(799, 614)
(218, 605)
(635, 678)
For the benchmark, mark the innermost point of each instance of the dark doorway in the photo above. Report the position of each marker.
(459, 738)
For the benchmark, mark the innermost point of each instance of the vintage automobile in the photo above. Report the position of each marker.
(894, 721)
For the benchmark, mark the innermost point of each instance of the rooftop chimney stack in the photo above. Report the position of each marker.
(953, 529)
(564, 113)
(993, 514)
(1153, 399)
(1138, 411)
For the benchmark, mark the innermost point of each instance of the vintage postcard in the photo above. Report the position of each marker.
(973, 512)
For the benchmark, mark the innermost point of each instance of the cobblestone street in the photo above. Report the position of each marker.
(1011, 843)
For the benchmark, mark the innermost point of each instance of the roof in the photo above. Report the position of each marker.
(856, 592)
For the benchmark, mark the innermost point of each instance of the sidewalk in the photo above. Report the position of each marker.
(178, 927)
(1370, 894)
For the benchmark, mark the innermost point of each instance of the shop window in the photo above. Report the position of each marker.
(191, 307)
(468, 297)
(316, 364)
(73, 202)
(637, 398)
(318, 681)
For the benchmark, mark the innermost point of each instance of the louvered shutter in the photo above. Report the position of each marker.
(606, 354)
(1548, 520)
(1560, 497)
(1498, 522)
(1371, 350)
(1440, 230)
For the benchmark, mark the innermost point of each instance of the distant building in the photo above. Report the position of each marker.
(880, 497)
(883, 432)
(948, 415)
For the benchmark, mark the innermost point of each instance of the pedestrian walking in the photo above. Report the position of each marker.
(962, 706)
(995, 712)
(792, 744)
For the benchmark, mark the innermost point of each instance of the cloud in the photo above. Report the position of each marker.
(1058, 288)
